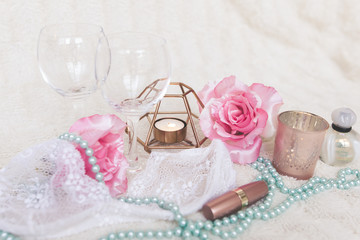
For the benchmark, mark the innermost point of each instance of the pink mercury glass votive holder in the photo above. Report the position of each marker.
(298, 143)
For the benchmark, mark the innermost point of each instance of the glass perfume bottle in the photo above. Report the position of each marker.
(342, 143)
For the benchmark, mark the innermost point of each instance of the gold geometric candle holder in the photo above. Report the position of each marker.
(164, 138)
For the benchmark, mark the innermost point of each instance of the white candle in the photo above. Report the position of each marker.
(169, 124)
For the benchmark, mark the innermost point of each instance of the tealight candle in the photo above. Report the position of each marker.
(169, 130)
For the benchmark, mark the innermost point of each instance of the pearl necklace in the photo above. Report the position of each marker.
(227, 227)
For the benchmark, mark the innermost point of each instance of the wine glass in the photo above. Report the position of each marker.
(138, 78)
(67, 55)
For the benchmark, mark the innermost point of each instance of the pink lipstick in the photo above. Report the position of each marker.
(235, 200)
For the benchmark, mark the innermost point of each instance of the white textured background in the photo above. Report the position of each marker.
(308, 50)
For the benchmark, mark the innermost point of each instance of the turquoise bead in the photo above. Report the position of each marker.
(89, 152)
(203, 236)
(121, 235)
(284, 190)
(248, 220)
(249, 212)
(175, 209)
(208, 225)
(282, 207)
(196, 232)
(217, 223)
(178, 217)
(244, 225)
(83, 144)
(71, 137)
(92, 160)
(149, 234)
(169, 233)
(159, 234)
(265, 216)
(182, 223)
(111, 236)
(4, 235)
(225, 221)
(154, 200)
(186, 233)
(99, 176)
(95, 168)
(224, 235)
(267, 204)
(233, 218)
(199, 224)
(140, 235)
(191, 226)
(178, 232)
(257, 215)
(272, 214)
(304, 196)
(241, 215)
(348, 171)
(262, 207)
(216, 231)
(130, 234)
(66, 136)
(161, 203)
(277, 211)
(129, 200)
(239, 229)
(291, 199)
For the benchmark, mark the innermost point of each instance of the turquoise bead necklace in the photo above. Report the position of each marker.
(227, 227)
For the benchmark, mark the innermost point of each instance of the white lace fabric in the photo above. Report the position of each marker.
(189, 179)
(44, 189)
(44, 192)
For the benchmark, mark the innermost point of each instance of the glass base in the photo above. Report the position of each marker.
(134, 168)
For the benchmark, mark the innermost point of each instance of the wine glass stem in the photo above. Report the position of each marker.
(132, 156)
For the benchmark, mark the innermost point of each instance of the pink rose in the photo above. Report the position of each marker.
(239, 115)
(103, 134)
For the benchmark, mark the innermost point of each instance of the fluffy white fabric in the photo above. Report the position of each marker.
(308, 50)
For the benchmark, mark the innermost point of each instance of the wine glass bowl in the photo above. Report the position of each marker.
(138, 78)
(67, 54)
(139, 73)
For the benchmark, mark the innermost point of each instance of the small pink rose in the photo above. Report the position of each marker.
(239, 115)
(104, 135)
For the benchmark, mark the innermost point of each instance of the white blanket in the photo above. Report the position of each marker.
(308, 50)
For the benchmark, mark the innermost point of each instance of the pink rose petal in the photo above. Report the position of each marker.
(271, 103)
(245, 155)
(104, 135)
